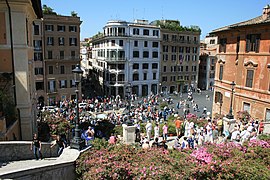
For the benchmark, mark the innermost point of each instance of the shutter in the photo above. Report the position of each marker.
(248, 43)
(257, 43)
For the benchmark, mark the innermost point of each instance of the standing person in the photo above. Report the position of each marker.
(165, 131)
(156, 131)
(178, 126)
(36, 147)
(220, 126)
(187, 128)
(60, 143)
(148, 128)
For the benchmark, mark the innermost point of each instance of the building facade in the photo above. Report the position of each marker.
(244, 58)
(127, 54)
(179, 62)
(207, 65)
(61, 39)
(16, 58)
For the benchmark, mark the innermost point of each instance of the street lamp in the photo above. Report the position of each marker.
(230, 115)
(76, 141)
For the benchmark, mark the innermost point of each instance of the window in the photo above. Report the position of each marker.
(249, 78)
(212, 41)
(246, 107)
(145, 43)
(135, 77)
(144, 76)
(173, 57)
(155, 44)
(164, 68)
(186, 78)
(187, 57)
(187, 49)
(62, 69)
(155, 33)
(218, 97)
(165, 37)
(253, 42)
(222, 47)
(51, 86)
(73, 41)
(145, 54)
(195, 50)
(186, 68)
(267, 115)
(135, 43)
(136, 54)
(61, 41)
(121, 43)
(63, 83)
(146, 32)
(49, 54)
(38, 71)
(72, 28)
(61, 28)
(182, 38)
(38, 57)
(212, 75)
(72, 54)
(50, 41)
(165, 49)
(113, 43)
(136, 31)
(221, 72)
(174, 37)
(154, 76)
(155, 66)
(48, 27)
(173, 49)
(136, 66)
(165, 57)
(145, 66)
(36, 29)
(39, 86)
(181, 49)
(72, 83)
(154, 54)
(50, 69)
(62, 54)
(194, 68)
(37, 45)
(164, 79)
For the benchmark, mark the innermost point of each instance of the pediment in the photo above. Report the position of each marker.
(250, 63)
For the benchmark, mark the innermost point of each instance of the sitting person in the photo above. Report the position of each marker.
(176, 143)
(146, 145)
(156, 143)
(184, 144)
(112, 139)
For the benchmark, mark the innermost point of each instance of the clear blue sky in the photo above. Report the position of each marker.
(207, 14)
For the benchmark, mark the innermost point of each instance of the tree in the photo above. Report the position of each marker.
(74, 14)
(47, 10)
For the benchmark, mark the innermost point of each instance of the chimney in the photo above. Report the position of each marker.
(266, 12)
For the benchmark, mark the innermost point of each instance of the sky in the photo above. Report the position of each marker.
(207, 14)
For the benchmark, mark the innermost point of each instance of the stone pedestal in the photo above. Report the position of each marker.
(228, 124)
(266, 129)
(128, 134)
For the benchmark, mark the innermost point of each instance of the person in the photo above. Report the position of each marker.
(165, 131)
(204, 110)
(112, 139)
(148, 128)
(184, 144)
(178, 126)
(156, 143)
(187, 128)
(90, 135)
(36, 147)
(146, 145)
(220, 126)
(176, 145)
(60, 143)
(156, 131)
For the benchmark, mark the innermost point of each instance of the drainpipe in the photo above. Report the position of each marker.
(13, 69)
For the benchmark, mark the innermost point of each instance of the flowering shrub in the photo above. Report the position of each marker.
(222, 161)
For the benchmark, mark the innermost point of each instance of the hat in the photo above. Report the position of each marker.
(178, 117)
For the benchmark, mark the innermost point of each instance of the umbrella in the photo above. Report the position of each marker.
(101, 116)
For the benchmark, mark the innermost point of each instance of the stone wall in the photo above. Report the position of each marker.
(20, 150)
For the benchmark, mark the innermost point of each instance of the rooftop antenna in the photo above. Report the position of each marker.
(162, 13)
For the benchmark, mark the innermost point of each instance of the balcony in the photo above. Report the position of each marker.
(52, 91)
(37, 48)
(116, 59)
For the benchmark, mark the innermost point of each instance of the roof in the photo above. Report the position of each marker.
(37, 8)
(255, 21)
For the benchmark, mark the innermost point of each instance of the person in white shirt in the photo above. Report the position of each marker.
(209, 133)
(156, 131)
(148, 128)
(235, 135)
(187, 128)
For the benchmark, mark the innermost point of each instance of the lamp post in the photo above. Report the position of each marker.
(230, 115)
(76, 141)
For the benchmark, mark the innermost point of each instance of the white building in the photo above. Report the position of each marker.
(127, 54)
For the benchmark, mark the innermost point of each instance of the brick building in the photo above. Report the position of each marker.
(244, 57)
